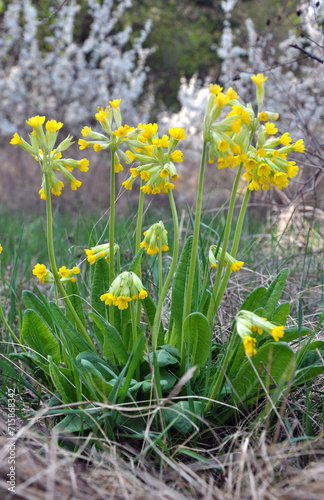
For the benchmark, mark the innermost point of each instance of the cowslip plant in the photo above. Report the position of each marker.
(113, 343)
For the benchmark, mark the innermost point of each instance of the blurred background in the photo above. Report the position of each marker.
(62, 59)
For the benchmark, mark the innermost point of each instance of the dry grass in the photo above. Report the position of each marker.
(250, 468)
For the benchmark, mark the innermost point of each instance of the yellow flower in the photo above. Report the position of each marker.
(271, 129)
(64, 272)
(165, 141)
(249, 345)
(53, 126)
(215, 89)
(223, 146)
(115, 103)
(236, 266)
(1, 248)
(83, 165)
(285, 139)
(263, 116)
(83, 144)
(259, 79)
(177, 156)
(299, 146)
(231, 94)
(75, 270)
(278, 332)
(101, 115)
(85, 131)
(36, 121)
(40, 272)
(122, 302)
(254, 186)
(16, 139)
(122, 131)
(75, 184)
(177, 133)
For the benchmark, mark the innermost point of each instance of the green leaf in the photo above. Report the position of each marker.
(99, 286)
(73, 293)
(307, 373)
(277, 357)
(138, 352)
(37, 335)
(150, 309)
(251, 302)
(70, 333)
(31, 360)
(136, 262)
(179, 287)
(197, 334)
(309, 354)
(163, 358)
(73, 423)
(33, 302)
(113, 343)
(182, 417)
(62, 383)
(270, 299)
(280, 314)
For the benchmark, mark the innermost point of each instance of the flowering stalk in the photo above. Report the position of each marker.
(212, 305)
(192, 264)
(220, 373)
(138, 242)
(237, 236)
(157, 317)
(112, 230)
(53, 263)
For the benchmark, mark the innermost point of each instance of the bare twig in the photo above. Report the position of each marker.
(312, 56)
(54, 13)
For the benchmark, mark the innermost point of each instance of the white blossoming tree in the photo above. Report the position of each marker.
(69, 78)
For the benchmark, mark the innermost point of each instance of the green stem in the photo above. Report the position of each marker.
(160, 261)
(192, 264)
(157, 317)
(134, 333)
(138, 243)
(237, 236)
(51, 255)
(139, 218)
(111, 232)
(212, 305)
(216, 386)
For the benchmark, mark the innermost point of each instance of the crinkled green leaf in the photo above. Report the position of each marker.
(70, 333)
(37, 335)
(270, 299)
(113, 344)
(277, 357)
(73, 293)
(197, 334)
(33, 302)
(62, 383)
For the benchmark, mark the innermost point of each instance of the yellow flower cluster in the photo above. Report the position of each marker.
(125, 288)
(235, 265)
(156, 156)
(99, 252)
(152, 239)
(41, 148)
(229, 138)
(248, 323)
(44, 275)
(111, 138)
